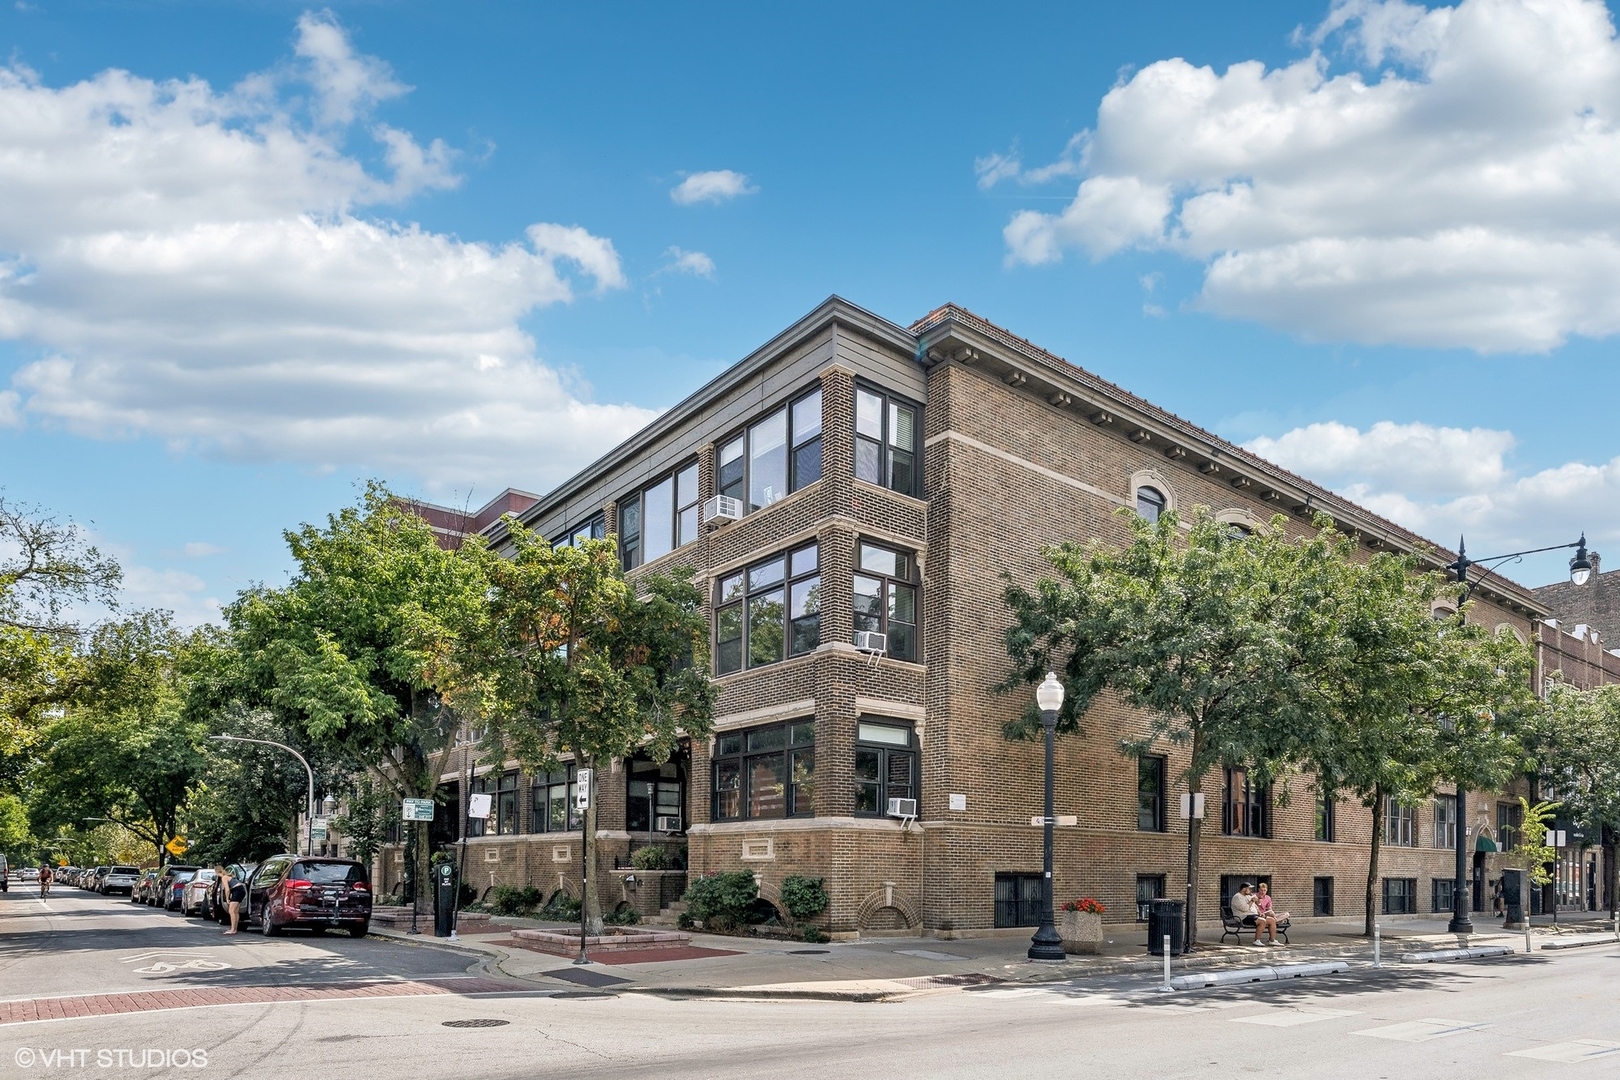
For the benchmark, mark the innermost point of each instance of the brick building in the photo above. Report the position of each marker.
(849, 496)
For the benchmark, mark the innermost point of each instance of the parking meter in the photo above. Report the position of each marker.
(444, 899)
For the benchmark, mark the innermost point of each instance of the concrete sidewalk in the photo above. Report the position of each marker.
(881, 968)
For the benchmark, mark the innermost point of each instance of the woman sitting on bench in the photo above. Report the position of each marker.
(1246, 908)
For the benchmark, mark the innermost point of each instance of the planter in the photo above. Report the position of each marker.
(1081, 931)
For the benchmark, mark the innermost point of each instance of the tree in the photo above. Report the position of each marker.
(1574, 747)
(1208, 634)
(353, 652)
(567, 658)
(17, 840)
(123, 748)
(366, 820)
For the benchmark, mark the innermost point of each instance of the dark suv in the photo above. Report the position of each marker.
(310, 891)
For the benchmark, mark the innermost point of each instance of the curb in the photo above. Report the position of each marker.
(1255, 975)
(1581, 943)
(757, 995)
(1456, 954)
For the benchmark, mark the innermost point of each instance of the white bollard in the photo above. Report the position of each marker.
(1166, 985)
(1378, 941)
(1617, 924)
(1527, 933)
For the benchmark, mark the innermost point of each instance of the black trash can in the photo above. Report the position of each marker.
(1513, 890)
(444, 899)
(1166, 917)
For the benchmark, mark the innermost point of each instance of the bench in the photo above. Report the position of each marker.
(1232, 927)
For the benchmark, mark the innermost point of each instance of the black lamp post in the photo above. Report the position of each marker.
(1580, 569)
(1046, 944)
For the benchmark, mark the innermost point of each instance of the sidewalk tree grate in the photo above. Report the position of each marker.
(477, 1022)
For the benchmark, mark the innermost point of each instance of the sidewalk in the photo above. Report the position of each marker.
(890, 967)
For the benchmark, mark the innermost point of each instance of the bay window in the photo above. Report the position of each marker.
(765, 772)
(768, 611)
(886, 598)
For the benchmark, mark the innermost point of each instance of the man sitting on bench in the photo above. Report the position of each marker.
(1243, 906)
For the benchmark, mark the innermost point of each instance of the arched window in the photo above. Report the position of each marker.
(1150, 502)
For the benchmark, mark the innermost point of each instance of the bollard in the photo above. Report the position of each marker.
(1166, 986)
(1378, 960)
(1527, 933)
(1617, 924)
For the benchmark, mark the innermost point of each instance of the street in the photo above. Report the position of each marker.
(162, 995)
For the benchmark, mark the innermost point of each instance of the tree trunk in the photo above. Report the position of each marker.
(1195, 784)
(589, 896)
(1610, 877)
(1372, 861)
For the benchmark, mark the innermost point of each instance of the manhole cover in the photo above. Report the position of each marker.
(479, 1023)
(808, 952)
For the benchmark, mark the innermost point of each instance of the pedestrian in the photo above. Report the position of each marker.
(1497, 907)
(45, 877)
(235, 892)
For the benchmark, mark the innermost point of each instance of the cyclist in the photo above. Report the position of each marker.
(45, 881)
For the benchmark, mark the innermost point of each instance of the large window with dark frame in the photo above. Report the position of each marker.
(769, 611)
(885, 766)
(1150, 502)
(886, 598)
(504, 806)
(479, 786)
(765, 772)
(775, 455)
(886, 431)
(1445, 821)
(1400, 823)
(554, 801)
(659, 518)
(1327, 826)
(592, 529)
(1150, 794)
(1245, 806)
(1509, 820)
(1400, 896)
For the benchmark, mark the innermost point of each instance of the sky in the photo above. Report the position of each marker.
(253, 254)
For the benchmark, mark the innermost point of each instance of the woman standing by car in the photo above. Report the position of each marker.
(235, 892)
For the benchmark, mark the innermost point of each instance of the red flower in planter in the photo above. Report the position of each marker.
(1085, 904)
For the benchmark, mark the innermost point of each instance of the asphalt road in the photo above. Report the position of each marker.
(1550, 1015)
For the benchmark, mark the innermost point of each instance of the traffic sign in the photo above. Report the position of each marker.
(417, 810)
(478, 806)
(177, 846)
(317, 829)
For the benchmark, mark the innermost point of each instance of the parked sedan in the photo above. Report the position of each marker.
(194, 896)
(166, 894)
(120, 879)
(142, 893)
(318, 893)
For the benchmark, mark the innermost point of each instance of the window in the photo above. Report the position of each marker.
(479, 786)
(1327, 825)
(1400, 896)
(885, 767)
(1445, 821)
(775, 455)
(1150, 502)
(1442, 896)
(886, 598)
(1149, 887)
(1509, 819)
(1322, 896)
(594, 529)
(554, 801)
(765, 772)
(506, 805)
(1400, 823)
(655, 796)
(1019, 899)
(659, 518)
(771, 609)
(1246, 807)
(1150, 794)
(885, 441)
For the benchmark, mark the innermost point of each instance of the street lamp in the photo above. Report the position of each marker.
(1046, 944)
(309, 820)
(1580, 566)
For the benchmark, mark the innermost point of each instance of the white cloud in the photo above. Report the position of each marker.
(1455, 189)
(171, 590)
(200, 549)
(193, 264)
(1439, 481)
(687, 262)
(714, 187)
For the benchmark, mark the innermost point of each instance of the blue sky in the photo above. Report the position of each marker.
(251, 254)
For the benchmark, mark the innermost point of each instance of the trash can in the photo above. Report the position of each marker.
(444, 899)
(1513, 899)
(1166, 917)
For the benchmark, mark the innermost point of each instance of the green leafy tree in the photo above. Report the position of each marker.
(1574, 746)
(1209, 634)
(1532, 850)
(368, 815)
(17, 841)
(567, 658)
(353, 652)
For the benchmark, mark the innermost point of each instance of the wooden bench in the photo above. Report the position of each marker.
(1232, 927)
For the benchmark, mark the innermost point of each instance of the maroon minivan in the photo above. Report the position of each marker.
(316, 892)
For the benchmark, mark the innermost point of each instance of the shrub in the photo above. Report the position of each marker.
(560, 908)
(816, 936)
(722, 901)
(804, 897)
(512, 900)
(650, 857)
(624, 915)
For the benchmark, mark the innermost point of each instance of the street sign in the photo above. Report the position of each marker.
(177, 846)
(478, 806)
(317, 829)
(582, 795)
(1192, 806)
(416, 810)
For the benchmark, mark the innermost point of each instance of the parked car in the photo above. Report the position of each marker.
(316, 892)
(142, 893)
(94, 882)
(29, 873)
(216, 897)
(120, 879)
(194, 895)
(166, 893)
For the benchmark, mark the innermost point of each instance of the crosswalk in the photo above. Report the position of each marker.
(1356, 1023)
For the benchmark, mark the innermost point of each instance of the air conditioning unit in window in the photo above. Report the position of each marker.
(668, 823)
(903, 808)
(870, 641)
(722, 508)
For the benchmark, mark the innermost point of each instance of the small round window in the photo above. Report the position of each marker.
(1150, 502)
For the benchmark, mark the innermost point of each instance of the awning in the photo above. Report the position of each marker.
(1485, 843)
